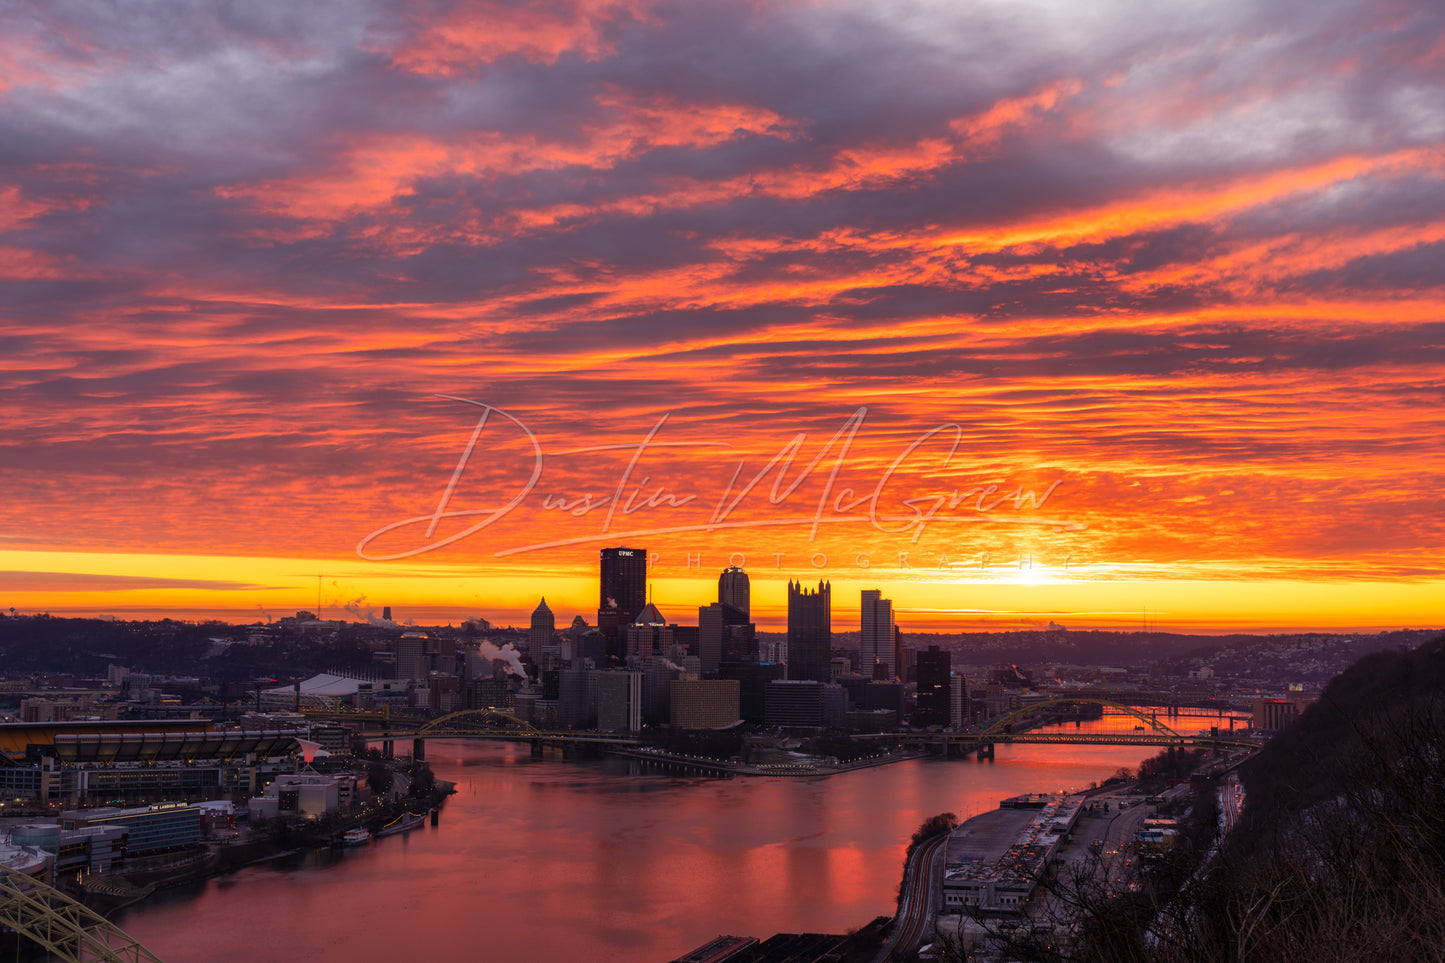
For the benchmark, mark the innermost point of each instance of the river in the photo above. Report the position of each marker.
(541, 859)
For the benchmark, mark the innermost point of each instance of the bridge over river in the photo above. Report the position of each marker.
(1148, 731)
(498, 724)
(48, 918)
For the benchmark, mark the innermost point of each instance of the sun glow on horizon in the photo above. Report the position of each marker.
(250, 589)
(1106, 315)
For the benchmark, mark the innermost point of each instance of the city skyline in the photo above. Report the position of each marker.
(1106, 316)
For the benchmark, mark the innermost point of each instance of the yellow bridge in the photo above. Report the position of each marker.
(498, 724)
(1149, 732)
(49, 918)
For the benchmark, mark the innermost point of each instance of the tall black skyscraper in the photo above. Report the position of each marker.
(934, 669)
(624, 582)
(810, 631)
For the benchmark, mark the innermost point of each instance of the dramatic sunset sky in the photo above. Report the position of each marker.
(1095, 311)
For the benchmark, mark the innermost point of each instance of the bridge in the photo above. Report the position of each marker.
(50, 919)
(465, 724)
(489, 723)
(498, 724)
(1164, 698)
(1149, 732)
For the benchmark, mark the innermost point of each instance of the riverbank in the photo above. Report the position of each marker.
(606, 860)
(107, 893)
(134, 882)
(803, 766)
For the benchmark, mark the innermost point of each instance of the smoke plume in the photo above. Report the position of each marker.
(354, 607)
(509, 654)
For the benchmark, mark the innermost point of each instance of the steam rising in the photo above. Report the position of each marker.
(507, 653)
(354, 608)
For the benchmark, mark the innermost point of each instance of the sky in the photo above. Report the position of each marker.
(1107, 314)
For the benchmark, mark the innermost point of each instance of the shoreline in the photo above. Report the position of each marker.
(122, 889)
(789, 770)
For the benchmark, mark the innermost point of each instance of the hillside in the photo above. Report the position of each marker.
(1341, 853)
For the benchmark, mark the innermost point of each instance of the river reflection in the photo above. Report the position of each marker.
(545, 859)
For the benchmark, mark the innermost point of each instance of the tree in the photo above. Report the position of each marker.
(933, 826)
(422, 781)
(379, 779)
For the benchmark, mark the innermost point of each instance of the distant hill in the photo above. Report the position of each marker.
(1302, 657)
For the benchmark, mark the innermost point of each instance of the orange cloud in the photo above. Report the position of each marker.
(1157, 208)
(478, 33)
(383, 168)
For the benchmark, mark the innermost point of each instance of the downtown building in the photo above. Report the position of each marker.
(622, 594)
(619, 700)
(752, 679)
(704, 703)
(805, 704)
(734, 591)
(935, 671)
(724, 632)
(740, 634)
(648, 635)
(959, 713)
(810, 632)
(878, 643)
(543, 626)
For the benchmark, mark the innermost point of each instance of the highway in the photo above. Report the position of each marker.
(1231, 799)
(915, 912)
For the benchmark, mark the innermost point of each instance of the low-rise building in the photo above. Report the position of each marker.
(305, 793)
(149, 830)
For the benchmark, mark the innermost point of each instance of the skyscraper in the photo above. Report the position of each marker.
(543, 625)
(740, 639)
(733, 590)
(810, 631)
(876, 646)
(711, 627)
(724, 632)
(622, 594)
(958, 701)
(934, 676)
(649, 634)
(624, 582)
(619, 700)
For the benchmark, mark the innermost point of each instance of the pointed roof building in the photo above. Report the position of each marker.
(543, 625)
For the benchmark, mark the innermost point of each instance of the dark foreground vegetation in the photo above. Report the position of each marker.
(1339, 854)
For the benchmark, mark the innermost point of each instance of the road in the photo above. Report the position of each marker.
(915, 912)
(1118, 857)
(1231, 800)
